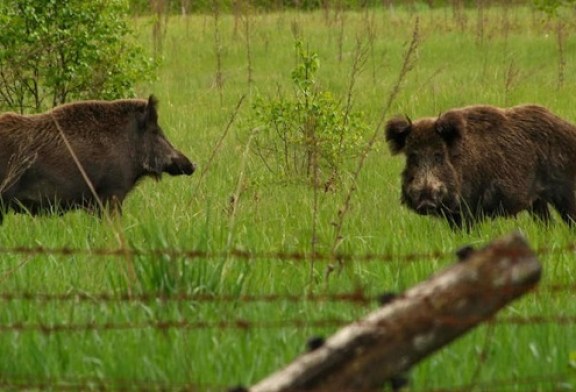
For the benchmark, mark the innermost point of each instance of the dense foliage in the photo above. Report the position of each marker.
(552, 6)
(55, 51)
(186, 6)
(310, 134)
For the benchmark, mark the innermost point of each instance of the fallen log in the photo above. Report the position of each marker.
(365, 355)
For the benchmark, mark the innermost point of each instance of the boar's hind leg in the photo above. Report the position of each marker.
(540, 211)
(114, 205)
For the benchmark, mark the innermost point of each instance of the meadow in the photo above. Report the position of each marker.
(137, 319)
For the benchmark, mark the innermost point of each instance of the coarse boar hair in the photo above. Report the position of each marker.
(482, 162)
(87, 154)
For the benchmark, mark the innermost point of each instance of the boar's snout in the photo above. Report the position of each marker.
(430, 198)
(179, 165)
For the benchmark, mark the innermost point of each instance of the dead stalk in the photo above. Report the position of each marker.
(160, 25)
(314, 239)
(247, 32)
(512, 73)
(341, 36)
(483, 354)
(480, 22)
(506, 24)
(459, 14)
(218, 145)
(12, 271)
(407, 66)
(218, 49)
(233, 207)
(358, 64)
(560, 39)
(371, 33)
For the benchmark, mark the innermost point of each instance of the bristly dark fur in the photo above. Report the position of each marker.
(116, 142)
(397, 130)
(482, 162)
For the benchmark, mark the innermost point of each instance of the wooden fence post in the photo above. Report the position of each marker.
(364, 355)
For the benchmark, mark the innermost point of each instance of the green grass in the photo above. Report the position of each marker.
(453, 68)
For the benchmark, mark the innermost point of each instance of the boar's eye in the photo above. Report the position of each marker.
(438, 158)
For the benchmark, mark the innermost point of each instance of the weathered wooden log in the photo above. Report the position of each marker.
(364, 355)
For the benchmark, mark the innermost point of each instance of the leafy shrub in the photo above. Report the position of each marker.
(54, 51)
(310, 135)
(552, 6)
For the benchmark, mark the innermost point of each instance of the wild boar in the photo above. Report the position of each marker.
(87, 154)
(482, 162)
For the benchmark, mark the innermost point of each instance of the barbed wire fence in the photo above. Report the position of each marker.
(356, 297)
(250, 256)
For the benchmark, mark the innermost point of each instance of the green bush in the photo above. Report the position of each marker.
(309, 136)
(553, 6)
(54, 51)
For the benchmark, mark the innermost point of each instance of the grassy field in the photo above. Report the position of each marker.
(497, 56)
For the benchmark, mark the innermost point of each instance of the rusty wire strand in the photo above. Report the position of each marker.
(248, 255)
(352, 297)
(142, 385)
(242, 324)
(195, 254)
(357, 296)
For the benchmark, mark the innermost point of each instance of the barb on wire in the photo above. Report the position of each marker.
(356, 297)
(250, 256)
(238, 254)
(242, 324)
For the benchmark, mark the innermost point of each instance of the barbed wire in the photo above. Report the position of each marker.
(142, 385)
(235, 254)
(243, 324)
(251, 255)
(358, 296)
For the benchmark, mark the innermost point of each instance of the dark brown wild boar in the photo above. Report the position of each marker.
(116, 143)
(482, 161)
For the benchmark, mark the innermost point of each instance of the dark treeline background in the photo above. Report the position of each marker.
(191, 6)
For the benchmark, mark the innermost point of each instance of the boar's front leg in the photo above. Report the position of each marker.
(114, 205)
(540, 211)
(565, 203)
(111, 205)
(455, 221)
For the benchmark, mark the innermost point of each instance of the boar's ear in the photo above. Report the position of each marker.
(397, 130)
(151, 112)
(450, 126)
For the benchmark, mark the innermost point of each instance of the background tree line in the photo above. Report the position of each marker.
(192, 6)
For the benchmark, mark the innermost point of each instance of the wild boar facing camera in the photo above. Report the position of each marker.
(87, 154)
(482, 162)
